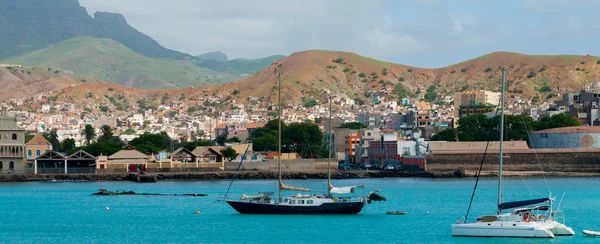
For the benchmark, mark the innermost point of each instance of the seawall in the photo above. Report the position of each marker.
(228, 175)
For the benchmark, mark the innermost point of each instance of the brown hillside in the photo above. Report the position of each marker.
(306, 73)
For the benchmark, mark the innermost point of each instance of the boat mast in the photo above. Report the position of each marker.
(330, 146)
(279, 135)
(501, 143)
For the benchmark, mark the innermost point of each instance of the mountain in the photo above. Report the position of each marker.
(214, 56)
(241, 66)
(111, 61)
(29, 25)
(306, 74)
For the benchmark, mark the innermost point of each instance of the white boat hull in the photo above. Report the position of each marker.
(591, 233)
(561, 229)
(503, 229)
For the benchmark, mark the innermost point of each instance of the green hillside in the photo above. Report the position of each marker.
(111, 61)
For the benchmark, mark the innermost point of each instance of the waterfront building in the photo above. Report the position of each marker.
(12, 146)
(351, 145)
(474, 102)
(567, 137)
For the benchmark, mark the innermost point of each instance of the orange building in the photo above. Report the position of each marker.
(352, 141)
(37, 146)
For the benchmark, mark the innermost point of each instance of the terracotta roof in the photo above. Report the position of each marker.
(571, 129)
(128, 154)
(254, 125)
(37, 140)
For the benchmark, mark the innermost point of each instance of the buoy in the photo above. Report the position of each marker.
(107, 208)
(427, 212)
(197, 211)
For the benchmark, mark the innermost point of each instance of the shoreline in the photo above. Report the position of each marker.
(268, 175)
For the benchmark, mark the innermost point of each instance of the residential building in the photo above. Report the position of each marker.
(35, 147)
(352, 143)
(474, 102)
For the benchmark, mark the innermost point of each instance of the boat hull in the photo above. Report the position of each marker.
(325, 208)
(505, 229)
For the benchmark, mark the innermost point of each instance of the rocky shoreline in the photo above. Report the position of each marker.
(244, 175)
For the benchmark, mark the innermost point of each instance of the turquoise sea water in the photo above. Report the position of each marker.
(68, 213)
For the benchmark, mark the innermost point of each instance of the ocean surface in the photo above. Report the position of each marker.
(66, 212)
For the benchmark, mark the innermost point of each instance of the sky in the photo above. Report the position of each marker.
(421, 33)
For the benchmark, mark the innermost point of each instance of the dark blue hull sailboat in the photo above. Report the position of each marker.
(269, 208)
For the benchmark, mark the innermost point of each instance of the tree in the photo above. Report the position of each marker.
(221, 139)
(431, 88)
(229, 153)
(556, 121)
(445, 135)
(546, 88)
(88, 133)
(531, 74)
(52, 137)
(353, 125)
(106, 134)
(28, 137)
(67, 145)
(151, 143)
(235, 92)
(233, 139)
(363, 75)
(431, 96)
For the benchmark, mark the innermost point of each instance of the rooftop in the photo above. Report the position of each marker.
(571, 129)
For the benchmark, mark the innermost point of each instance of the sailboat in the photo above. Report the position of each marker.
(526, 218)
(268, 203)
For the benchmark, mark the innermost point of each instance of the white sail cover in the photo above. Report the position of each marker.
(292, 188)
(246, 197)
(342, 190)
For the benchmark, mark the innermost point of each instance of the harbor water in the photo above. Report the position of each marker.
(66, 212)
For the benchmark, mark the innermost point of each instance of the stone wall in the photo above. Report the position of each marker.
(560, 162)
(286, 165)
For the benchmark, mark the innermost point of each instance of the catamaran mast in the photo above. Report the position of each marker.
(501, 144)
(330, 146)
(279, 135)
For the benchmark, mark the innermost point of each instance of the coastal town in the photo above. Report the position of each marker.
(380, 133)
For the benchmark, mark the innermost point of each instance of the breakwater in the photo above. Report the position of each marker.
(229, 175)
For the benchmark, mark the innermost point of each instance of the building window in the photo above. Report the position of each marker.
(406, 151)
(11, 165)
(30, 166)
(1, 164)
(37, 153)
(29, 153)
(14, 136)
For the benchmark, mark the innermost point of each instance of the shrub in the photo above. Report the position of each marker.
(346, 70)
(365, 80)
(401, 78)
(375, 77)
(353, 72)
(431, 88)
(465, 87)
(453, 71)
(373, 73)
(531, 74)
(384, 71)
(545, 88)
(381, 81)
(104, 108)
(56, 71)
(542, 69)
(363, 75)
(110, 89)
(409, 70)
(551, 95)
(598, 62)
(578, 69)
(338, 60)
(83, 80)
(235, 92)
(49, 69)
(488, 69)
(582, 63)
(463, 70)
(28, 72)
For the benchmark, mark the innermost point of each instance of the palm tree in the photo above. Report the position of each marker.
(107, 134)
(52, 137)
(89, 134)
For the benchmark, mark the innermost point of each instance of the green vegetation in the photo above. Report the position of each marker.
(240, 66)
(488, 69)
(465, 87)
(431, 96)
(353, 125)
(449, 134)
(542, 69)
(104, 108)
(99, 58)
(598, 62)
(304, 138)
(363, 75)
(308, 103)
(401, 91)
(129, 131)
(365, 80)
(531, 74)
(463, 70)
(384, 71)
(545, 88)
(331, 66)
(381, 81)
(338, 60)
(359, 101)
(346, 70)
(401, 78)
(88, 134)
(475, 127)
(229, 153)
(410, 70)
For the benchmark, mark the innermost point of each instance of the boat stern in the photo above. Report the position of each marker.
(560, 229)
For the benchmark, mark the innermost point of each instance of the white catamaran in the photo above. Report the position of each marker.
(267, 203)
(528, 218)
